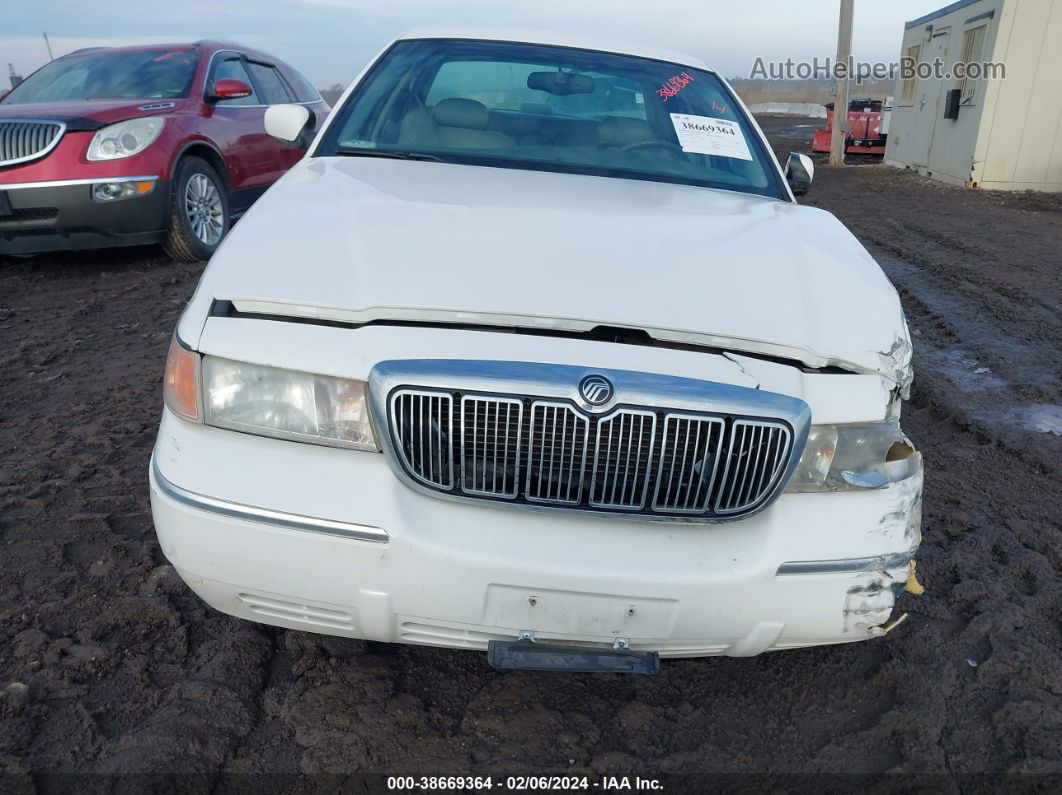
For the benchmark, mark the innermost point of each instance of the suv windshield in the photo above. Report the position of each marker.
(553, 109)
(143, 74)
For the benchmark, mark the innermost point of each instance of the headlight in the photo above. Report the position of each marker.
(845, 457)
(284, 404)
(125, 138)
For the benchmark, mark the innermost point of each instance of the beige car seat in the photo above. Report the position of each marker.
(454, 123)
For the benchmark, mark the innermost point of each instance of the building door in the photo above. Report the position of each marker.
(928, 98)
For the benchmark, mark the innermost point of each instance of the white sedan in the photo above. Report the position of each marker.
(536, 353)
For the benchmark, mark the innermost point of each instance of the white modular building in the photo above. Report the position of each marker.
(1000, 131)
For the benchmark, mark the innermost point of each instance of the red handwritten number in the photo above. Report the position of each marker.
(674, 85)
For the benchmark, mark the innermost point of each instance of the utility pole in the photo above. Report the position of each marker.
(48, 44)
(840, 99)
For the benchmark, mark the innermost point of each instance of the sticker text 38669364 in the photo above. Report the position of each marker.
(705, 135)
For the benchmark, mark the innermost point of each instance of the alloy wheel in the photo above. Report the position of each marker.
(203, 208)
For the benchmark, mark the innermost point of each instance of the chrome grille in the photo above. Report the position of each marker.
(635, 460)
(22, 140)
(689, 460)
(556, 453)
(757, 453)
(622, 454)
(491, 429)
(423, 424)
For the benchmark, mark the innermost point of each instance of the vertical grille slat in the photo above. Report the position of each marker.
(556, 454)
(612, 468)
(756, 457)
(490, 449)
(688, 463)
(22, 140)
(547, 451)
(422, 422)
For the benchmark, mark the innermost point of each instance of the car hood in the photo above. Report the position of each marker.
(363, 239)
(90, 114)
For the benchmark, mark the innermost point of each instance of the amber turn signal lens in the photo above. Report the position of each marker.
(180, 388)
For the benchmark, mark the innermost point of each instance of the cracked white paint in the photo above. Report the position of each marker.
(905, 521)
(897, 363)
(869, 604)
(738, 361)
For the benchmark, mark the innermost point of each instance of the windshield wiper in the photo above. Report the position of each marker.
(351, 151)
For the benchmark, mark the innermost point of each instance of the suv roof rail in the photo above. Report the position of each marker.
(87, 49)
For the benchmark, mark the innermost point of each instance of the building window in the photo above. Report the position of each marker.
(907, 88)
(973, 42)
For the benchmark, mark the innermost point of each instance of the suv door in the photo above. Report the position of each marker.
(237, 127)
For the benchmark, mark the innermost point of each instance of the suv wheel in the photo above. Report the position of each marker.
(199, 212)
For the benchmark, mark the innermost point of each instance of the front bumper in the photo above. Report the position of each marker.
(390, 564)
(63, 216)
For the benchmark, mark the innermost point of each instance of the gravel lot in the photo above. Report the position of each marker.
(118, 667)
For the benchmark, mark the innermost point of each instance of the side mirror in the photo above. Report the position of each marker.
(799, 171)
(228, 88)
(292, 124)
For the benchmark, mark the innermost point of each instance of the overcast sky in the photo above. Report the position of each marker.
(330, 40)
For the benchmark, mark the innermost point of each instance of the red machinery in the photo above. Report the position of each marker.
(868, 127)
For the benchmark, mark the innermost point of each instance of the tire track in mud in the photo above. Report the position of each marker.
(127, 670)
(992, 549)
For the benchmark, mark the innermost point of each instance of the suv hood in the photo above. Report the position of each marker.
(361, 239)
(90, 114)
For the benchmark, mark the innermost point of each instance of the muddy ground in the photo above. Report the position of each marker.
(118, 667)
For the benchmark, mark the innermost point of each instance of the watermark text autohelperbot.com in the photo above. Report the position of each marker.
(906, 69)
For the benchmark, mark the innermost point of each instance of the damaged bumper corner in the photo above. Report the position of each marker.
(876, 581)
(868, 605)
(871, 595)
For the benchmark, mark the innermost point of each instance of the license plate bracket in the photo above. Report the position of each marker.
(527, 655)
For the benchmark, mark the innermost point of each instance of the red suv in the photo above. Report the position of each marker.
(136, 145)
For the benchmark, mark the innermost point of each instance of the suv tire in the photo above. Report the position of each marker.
(199, 211)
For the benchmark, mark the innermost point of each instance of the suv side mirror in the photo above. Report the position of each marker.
(799, 171)
(292, 124)
(228, 88)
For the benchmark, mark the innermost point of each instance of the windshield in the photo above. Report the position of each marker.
(144, 74)
(553, 109)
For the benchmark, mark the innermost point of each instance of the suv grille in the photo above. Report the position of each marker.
(31, 215)
(635, 460)
(27, 140)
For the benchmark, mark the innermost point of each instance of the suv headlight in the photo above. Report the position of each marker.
(268, 401)
(125, 138)
(846, 457)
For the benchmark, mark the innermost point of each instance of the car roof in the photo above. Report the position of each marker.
(553, 38)
(208, 46)
(184, 45)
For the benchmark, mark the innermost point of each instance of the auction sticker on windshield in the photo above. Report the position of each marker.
(704, 135)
